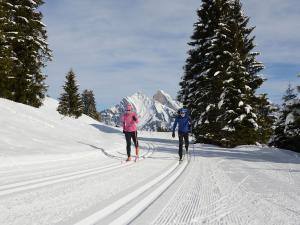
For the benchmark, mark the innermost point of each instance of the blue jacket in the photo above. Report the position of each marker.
(184, 124)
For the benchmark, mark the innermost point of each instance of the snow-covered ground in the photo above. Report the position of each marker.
(57, 170)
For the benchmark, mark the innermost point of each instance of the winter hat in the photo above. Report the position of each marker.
(183, 110)
(129, 107)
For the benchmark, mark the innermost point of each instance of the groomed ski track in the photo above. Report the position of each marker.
(231, 186)
(45, 181)
(211, 186)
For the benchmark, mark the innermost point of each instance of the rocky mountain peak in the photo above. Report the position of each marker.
(154, 113)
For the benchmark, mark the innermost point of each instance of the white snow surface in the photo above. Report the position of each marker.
(248, 108)
(58, 170)
(228, 128)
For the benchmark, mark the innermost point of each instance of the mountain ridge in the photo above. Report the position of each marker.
(155, 113)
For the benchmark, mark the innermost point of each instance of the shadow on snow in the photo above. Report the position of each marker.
(106, 129)
(251, 155)
(247, 153)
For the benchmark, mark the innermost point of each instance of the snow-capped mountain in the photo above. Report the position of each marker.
(154, 113)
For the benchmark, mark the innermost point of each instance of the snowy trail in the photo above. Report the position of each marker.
(41, 182)
(37, 183)
(133, 212)
(224, 186)
(214, 186)
(125, 209)
(127, 217)
(19, 174)
(197, 198)
(37, 196)
(62, 171)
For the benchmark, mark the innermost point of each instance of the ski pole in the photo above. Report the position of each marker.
(136, 140)
(193, 136)
(136, 145)
(194, 147)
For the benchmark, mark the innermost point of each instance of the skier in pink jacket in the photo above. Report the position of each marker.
(129, 121)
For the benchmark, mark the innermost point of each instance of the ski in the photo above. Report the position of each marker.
(136, 159)
(126, 160)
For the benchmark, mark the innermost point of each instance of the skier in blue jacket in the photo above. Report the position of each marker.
(184, 127)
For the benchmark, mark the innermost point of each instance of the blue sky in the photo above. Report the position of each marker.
(117, 48)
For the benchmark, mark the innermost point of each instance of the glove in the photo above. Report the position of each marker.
(173, 135)
(134, 118)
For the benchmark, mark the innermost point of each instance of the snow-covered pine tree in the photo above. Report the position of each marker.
(280, 139)
(195, 86)
(289, 94)
(287, 131)
(70, 102)
(244, 117)
(30, 51)
(266, 118)
(89, 105)
(224, 104)
(7, 56)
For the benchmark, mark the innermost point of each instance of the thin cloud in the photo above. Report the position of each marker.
(277, 29)
(118, 47)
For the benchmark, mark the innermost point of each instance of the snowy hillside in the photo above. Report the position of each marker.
(43, 133)
(63, 171)
(154, 113)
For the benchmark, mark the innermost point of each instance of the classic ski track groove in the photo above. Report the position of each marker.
(186, 205)
(42, 171)
(125, 218)
(133, 212)
(42, 182)
(219, 199)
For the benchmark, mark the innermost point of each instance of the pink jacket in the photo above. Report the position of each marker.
(129, 125)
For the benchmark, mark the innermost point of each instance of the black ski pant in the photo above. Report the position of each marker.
(185, 137)
(129, 136)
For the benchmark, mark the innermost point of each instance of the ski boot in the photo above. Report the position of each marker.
(128, 159)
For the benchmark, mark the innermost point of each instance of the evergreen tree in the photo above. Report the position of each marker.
(25, 37)
(70, 103)
(289, 94)
(292, 129)
(287, 131)
(220, 78)
(6, 52)
(163, 129)
(89, 105)
(298, 87)
(266, 119)
(197, 68)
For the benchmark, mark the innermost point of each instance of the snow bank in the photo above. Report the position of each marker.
(37, 135)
